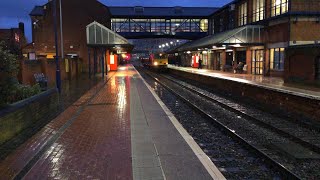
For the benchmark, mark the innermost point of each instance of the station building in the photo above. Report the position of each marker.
(14, 38)
(277, 38)
(80, 54)
(76, 16)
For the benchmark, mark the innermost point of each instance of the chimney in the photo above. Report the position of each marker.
(21, 27)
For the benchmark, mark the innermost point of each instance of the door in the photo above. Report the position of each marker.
(241, 56)
(229, 58)
(257, 62)
(218, 57)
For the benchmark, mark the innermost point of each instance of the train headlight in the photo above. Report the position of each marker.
(155, 63)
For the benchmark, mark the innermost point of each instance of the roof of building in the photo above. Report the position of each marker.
(249, 34)
(37, 11)
(178, 11)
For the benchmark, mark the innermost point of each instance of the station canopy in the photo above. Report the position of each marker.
(100, 36)
(246, 35)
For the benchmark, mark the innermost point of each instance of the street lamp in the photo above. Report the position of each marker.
(58, 74)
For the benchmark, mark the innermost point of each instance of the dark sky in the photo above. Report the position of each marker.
(14, 11)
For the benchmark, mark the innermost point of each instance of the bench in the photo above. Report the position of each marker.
(41, 80)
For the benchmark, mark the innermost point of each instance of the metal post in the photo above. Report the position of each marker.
(102, 63)
(89, 59)
(94, 62)
(58, 75)
(61, 32)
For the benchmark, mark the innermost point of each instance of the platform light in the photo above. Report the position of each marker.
(171, 42)
(155, 63)
(163, 45)
(188, 52)
(178, 40)
(160, 46)
(167, 44)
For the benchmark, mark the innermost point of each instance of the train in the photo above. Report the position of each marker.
(156, 61)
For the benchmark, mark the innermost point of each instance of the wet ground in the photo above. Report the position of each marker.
(72, 90)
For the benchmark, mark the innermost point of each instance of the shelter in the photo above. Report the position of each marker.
(106, 46)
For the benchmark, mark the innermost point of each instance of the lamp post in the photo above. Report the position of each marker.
(61, 32)
(58, 75)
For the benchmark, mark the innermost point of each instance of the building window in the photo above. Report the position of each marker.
(204, 25)
(212, 30)
(258, 10)
(279, 7)
(277, 59)
(242, 14)
(257, 62)
(221, 24)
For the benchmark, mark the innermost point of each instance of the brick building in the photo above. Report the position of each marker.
(271, 37)
(14, 38)
(76, 16)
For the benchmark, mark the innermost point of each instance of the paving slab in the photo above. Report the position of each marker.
(121, 130)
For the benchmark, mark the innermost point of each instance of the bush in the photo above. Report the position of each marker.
(24, 91)
(10, 89)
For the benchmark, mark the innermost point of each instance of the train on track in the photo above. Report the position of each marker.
(156, 61)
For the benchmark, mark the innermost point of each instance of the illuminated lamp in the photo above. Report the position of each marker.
(188, 52)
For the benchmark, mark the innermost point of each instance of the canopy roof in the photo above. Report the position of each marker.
(245, 35)
(99, 35)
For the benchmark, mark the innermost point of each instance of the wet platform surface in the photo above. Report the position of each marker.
(119, 129)
(273, 83)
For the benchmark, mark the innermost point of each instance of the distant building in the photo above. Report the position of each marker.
(14, 38)
(279, 38)
(76, 16)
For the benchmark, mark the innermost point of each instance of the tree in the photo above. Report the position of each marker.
(8, 72)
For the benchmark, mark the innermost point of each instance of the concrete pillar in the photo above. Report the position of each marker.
(223, 57)
(266, 62)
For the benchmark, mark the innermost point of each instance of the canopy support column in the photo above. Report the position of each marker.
(89, 59)
(94, 62)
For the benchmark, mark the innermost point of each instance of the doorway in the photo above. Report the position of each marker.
(218, 58)
(241, 56)
(229, 58)
(257, 62)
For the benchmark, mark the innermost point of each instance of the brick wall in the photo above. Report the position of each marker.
(48, 68)
(278, 32)
(305, 5)
(300, 66)
(27, 115)
(305, 29)
(76, 16)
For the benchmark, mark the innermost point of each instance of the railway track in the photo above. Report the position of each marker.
(303, 136)
(247, 128)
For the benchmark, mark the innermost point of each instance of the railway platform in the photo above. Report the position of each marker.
(273, 83)
(298, 102)
(119, 129)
